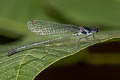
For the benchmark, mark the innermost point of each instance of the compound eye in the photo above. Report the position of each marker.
(97, 29)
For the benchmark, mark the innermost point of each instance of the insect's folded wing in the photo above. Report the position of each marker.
(50, 28)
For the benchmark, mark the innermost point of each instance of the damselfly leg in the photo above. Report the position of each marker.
(86, 37)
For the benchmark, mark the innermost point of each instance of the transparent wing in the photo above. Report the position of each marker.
(47, 28)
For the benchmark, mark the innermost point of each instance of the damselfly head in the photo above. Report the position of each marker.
(95, 29)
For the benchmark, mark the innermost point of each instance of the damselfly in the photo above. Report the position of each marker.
(41, 27)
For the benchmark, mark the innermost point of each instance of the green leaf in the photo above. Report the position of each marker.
(27, 64)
